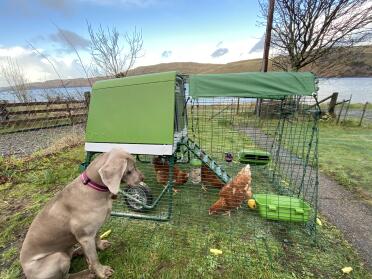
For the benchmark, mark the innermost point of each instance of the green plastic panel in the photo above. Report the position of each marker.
(271, 85)
(133, 110)
(254, 157)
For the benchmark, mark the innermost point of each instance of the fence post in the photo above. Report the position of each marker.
(87, 98)
(339, 114)
(3, 111)
(364, 111)
(347, 108)
(332, 104)
(70, 114)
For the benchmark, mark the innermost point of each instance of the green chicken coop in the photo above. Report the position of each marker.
(225, 121)
(141, 114)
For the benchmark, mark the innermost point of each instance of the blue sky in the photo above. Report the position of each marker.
(206, 31)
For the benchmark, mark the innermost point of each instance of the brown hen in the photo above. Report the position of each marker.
(234, 193)
(208, 177)
(162, 172)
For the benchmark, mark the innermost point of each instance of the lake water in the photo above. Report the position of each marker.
(359, 88)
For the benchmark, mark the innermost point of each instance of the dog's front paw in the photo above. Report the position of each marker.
(103, 245)
(104, 271)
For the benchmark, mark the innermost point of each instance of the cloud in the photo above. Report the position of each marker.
(166, 54)
(35, 8)
(36, 68)
(219, 52)
(57, 5)
(259, 46)
(127, 3)
(65, 37)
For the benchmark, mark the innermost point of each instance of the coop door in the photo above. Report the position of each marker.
(180, 108)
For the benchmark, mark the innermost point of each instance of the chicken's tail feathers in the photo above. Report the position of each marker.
(247, 167)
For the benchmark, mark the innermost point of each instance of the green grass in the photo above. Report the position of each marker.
(252, 247)
(179, 249)
(360, 106)
(345, 154)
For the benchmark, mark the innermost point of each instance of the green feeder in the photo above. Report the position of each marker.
(254, 157)
(196, 163)
(282, 208)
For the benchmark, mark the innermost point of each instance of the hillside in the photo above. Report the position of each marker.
(360, 68)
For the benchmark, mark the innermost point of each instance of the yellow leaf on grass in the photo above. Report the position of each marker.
(347, 269)
(105, 234)
(319, 222)
(215, 252)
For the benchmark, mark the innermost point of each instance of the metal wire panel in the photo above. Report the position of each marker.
(286, 129)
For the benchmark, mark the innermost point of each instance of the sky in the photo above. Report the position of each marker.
(205, 31)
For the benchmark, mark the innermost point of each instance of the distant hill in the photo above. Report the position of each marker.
(360, 68)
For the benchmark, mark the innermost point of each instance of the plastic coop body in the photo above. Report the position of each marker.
(142, 114)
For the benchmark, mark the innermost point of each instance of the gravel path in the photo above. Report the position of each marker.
(25, 143)
(349, 214)
(341, 207)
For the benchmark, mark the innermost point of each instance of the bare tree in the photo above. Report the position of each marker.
(311, 31)
(62, 32)
(109, 53)
(16, 79)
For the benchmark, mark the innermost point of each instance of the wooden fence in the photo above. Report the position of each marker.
(37, 115)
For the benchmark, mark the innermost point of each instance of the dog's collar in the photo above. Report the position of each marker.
(89, 182)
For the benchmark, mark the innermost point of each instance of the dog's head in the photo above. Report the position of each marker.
(119, 166)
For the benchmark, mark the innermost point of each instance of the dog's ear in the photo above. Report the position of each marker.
(112, 170)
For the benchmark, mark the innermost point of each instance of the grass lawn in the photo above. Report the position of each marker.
(251, 246)
(345, 154)
(178, 249)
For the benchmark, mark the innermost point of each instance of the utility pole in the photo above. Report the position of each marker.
(265, 59)
(269, 26)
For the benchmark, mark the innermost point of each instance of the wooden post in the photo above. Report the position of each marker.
(87, 98)
(269, 26)
(347, 108)
(364, 111)
(265, 59)
(4, 115)
(332, 104)
(237, 108)
(339, 114)
(70, 114)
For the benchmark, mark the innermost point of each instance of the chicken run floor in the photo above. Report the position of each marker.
(192, 230)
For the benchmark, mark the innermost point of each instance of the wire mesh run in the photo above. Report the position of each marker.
(278, 139)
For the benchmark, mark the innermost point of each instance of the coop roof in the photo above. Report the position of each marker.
(271, 85)
(136, 80)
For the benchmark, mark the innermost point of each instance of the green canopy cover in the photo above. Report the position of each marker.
(270, 85)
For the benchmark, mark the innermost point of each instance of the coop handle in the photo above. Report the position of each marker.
(272, 207)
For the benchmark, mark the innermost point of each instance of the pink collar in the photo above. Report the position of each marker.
(88, 182)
